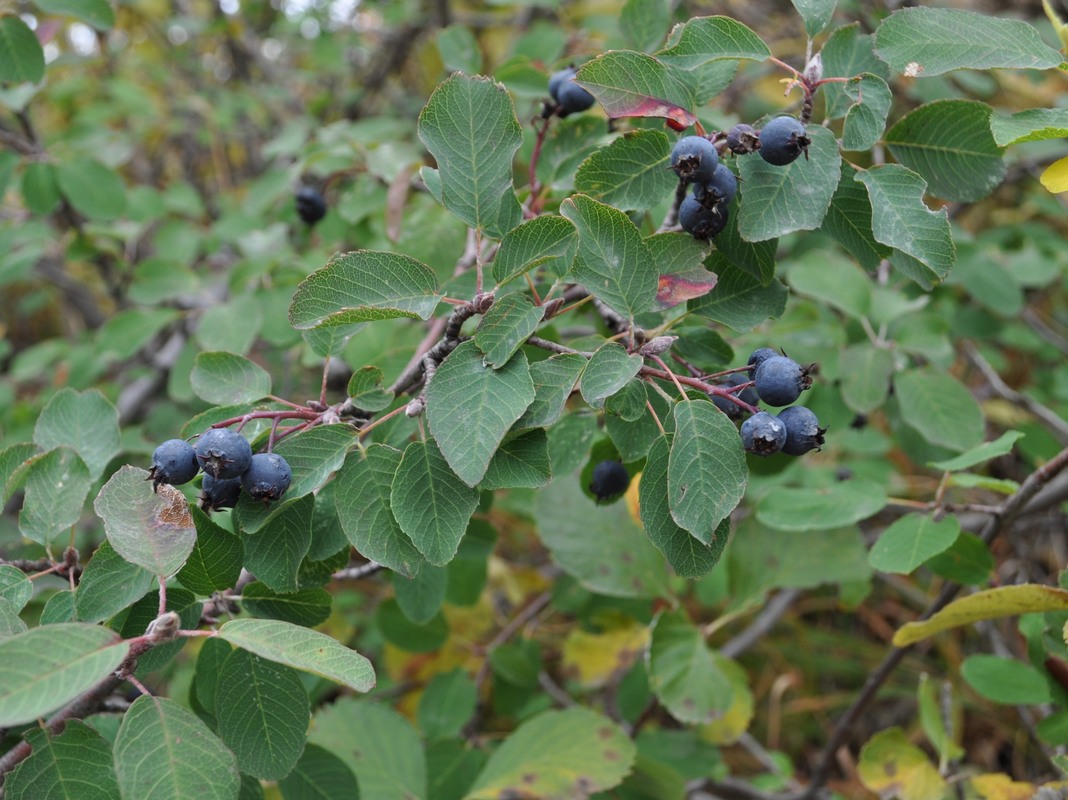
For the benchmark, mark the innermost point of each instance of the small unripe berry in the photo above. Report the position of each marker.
(803, 431)
(694, 159)
(222, 453)
(610, 478)
(742, 139)
(173, 462)
(762, 434)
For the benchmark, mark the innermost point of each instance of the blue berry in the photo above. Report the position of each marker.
(569, 96)
(742, 139)
(222, 453)
(311, 206)
(803, 431)
(759, 356)
(721, 189)
(694, 159)
(557, 79)
(610, 478)
(267, 477)
(763, 435)
(729, 407)
(173, 462)
(216, 495)
(780, 380)
(782, 140)
(702, 223)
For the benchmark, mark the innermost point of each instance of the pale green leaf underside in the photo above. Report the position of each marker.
(227, 378)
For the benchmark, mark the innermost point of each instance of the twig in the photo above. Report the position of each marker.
(358, 572)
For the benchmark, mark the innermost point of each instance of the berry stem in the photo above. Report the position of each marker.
(322, 388)
(656, 418)
(371, 426)
(297, 413)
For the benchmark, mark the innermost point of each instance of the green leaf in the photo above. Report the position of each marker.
(97, 13)
(967, 561)
(613, 263)
(10, 622)
(775, 200)
(301, 648)
(21, 57)
(231, 326)
(490, 401)
(846, 54)
(365, 389)
(39, 189)
(631, 173)
(707, 472)
(755, 258)
(420, 598)
(109, 584)
(600, 545)
(136, 620)
(561, 754)
(76, 764)
(15, 587)
(977, 455)
(554, 379)
(865, 372)
(407, 635)
(911, 540)
(56, 484)
(379, 745)
(165, 752)
(505, 327)
(307, 607)
(446, 705)
(226, 379)
(940, 407)
(683, 673)
(645, 22)
(364, 484)
(629, 403)
(470, 127)
(332, 340)
(739, 300)
(848, 221)
(938, 730)
(902, 220)
(151, 529)
(86, 422)
(1005, 680)
(216, 560)
(275, 552)
(547, 241)
(865, 120)
(521, 462)
(629, 84)
(834, 281)
(45, 668)
(929, 41)
(210, 659)
(459, 49)
(1033, 125)
(813, 509)
(948, 142)
(431, 504)
(704, 39)
(93, 189)
(265, 717)
(816, 14)
(608, 371)
(686, 555)
(891, 766)
(319, 775)
(364, 286)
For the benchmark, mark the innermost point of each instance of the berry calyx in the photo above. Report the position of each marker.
(694, 159)
(173, 462)
(217, 494)
(311, 205)
(720, 190)
(222, 453)
(780, 380)
(782, 140)
(803, 431)
(267, 477)
(763, 434)
(728, 406)
(742, 139)
(610, 478)
(701, 222)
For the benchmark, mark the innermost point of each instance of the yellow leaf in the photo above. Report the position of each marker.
(1001, 787)
(729, 728)
(892, 767)
(1005, 601)
(631, 499)
(1055, 178)
(593, 659)
(1056, 22)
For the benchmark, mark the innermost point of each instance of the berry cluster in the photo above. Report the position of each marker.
(228, 464)
(695, 159)
(777, 381)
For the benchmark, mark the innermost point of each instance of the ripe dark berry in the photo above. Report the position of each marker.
(216, 495)
(569, 96)
(610, 478)
(556, 80)
(782, 140)
(763, 435)
(222, 453)
(173, 462)
(803, 431)
(760, 355)
(729, 407)
(721, 189)
(694, 159)
(311, 206)
(742, 139)
(780, 380)
(702, 223)
(267, 477)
